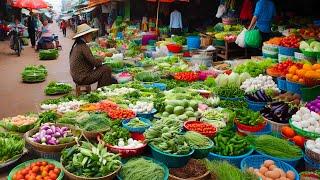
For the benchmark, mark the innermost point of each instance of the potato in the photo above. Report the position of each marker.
(273, 174)
(263, 170)
(272, 167)
(291, 175)
(268, 163)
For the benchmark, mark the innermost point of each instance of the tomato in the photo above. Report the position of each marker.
(39, 177)
(44, 163)
(53, 175)
(38, 163)
(35, 169)
(44, 173)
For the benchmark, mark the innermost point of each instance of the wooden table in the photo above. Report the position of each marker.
(231, 50)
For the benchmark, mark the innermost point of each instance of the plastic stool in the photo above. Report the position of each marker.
(82, 89)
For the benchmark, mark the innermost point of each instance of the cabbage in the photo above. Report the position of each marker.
(244, 76)
(314, 44)
(222, 80)
(304, 45)
(316, 49)
(234, 79)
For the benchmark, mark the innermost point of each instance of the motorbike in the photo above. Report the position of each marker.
(15, 34)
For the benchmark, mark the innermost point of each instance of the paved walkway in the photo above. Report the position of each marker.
(19, 98)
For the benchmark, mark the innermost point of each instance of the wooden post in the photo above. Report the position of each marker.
(157, 20)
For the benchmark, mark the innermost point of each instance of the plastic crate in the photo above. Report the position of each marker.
(292, 162)
(282, 83)
(171, 160)
(137, 129)
(235, 160)
(310, 93)
(294, 87)
(255, 106)
(256, 161)
(287, 51)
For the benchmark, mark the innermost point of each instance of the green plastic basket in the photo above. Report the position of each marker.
(310, 93)
(304, 133)
(310, 54)
(203, 152)
(218, 42)
(27, 163)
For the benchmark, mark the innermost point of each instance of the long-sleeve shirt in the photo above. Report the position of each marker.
(175, 19)
(265, 11)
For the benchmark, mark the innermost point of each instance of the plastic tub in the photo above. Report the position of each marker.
(174, 48)
(203, 152)
(235, 160)
(310, 93)
(147, 115)
(301, 132)
(266, 130)
(282, 83)
(276, 127)
(310, 164)
(287, 51)
(294, 87)
(171, 160)
(282, 57)
(193, 42)
(266, 55)
(256, 161)
(160, 86)
(248, 128)
(255, 106)
(292, 162)
(137, 129)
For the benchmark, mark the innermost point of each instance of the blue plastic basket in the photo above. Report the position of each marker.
(256, 161)
(193, 42)
(294, 87)
(147, 115)
(255, 106)
(235, 160)
(282, 83)
(165, 168)
(287, 51)
(160, 86)
(137, 129)
(272, 56)
(310, 164)
(171, 160)
(265, 130)
(292, 162)
(203, 152)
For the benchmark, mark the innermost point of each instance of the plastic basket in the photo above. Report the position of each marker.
(255, 106)
(287, 51)
(269, 47)
(160, 86)
(171, 160)
(256, 161)
(137, 129)
(292, 162)
(248, 128)
(165, 168)
(203, 152)
(193, 42)
(310, 93)
(147, 115)
(310, 54)
(27, 163)
(174, 48)
(276, 127)
(282, 83)
(312, 155)
(266, 55)
(235, 160)
(282, 57)
(310, 135)
(310, 165)
(294, 87)
(218, 42)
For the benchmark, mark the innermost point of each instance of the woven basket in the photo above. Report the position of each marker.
(312, 155)
(276, 126)
(205, 176)
(206, 41)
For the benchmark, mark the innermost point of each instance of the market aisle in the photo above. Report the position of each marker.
(19, 98)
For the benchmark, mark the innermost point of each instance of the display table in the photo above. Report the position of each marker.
(230, 50)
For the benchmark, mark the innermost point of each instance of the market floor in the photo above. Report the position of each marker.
(19, 98)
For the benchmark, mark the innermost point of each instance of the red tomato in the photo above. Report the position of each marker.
(53, 175)
(44, 173)
(44, 163)
(35, 169)
(39, 177)
(51, 166)
(38, 163)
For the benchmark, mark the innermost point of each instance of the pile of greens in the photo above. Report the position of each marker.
(64, 98)
(133, 50)
(114, 64)
(248, 117)
(34, 73)
(115, 133)
(89, 160)
(197, 140)
(179, 40)
(142, 169)
(254, 68)
(147, 77)
(11, 146)
(54, 88)
(92, 97)
(46, 117)
(49, 54)
(228, 91)
(165, 136)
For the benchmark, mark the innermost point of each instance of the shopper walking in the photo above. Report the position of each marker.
(264, 12)
(85, 69)
(175, 22)
(63, 26)
(32, 29)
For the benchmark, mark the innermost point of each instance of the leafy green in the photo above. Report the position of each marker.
(11, 145)
(254, 68)
(112, 137)
(34, 73)
(147, 77)
(48, 54)
(54, 88)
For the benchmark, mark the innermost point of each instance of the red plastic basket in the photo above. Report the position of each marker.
(185, 126)
(174, 48)
(128, 152)
(256, 128)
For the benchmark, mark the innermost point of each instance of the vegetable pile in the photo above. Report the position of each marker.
(137, 123)
(54, 88)
(89, 160)
(306, 75)
(142, 107)
(186, 76)
(259, 83)
(200, 127)
(142, 169)
(258, 96)
(11, 146)
(291, 41)
(314, 105)
(52, 135)
(49, 54)
(254, 68)
(278, 111)
(193, 169)
(19, 123)
(281, 69)
(34, 73)
(249, 117)
(197, 140)
(115, 134)
(314, 145)
(306, 120)
(147, 77)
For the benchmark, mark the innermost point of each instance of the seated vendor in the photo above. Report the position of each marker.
(85, 69)
(46, 35)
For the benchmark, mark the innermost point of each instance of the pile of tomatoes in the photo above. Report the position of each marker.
(201, 127)
(107, 105)
(186, 76)
(121, 114)
(291, 41)
(40, 170)
(281, 69)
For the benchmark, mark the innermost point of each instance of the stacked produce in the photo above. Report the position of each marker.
(147, 77)
(291, 41)
(69, 106)
(258, 96)
(289, 98)
(313, 46)
(254, 68)
(281, 69)
(305, 75)
(11, 146)
(259, 83)
(197, 140)
(216, 117)
(19, 123)
(279, 112)
(54, 88)
(117, 136)
(137, 123)
(314, 105)
(186, 76)
(32, 74)
(116, 112)
(200, 127)
(306, 120)
(249, 117)
(49, 54)
(142, 107)
(275, 41)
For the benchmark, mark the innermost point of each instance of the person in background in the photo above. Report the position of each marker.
(264, 12)
(96, 24)
(63, 26)
(32, 29)
(175, 22)
(246, 12)
(46, 35)
(85, 69)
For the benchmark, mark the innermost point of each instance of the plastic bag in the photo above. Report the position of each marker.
(253, 38)
(221, 10)
(241, 38)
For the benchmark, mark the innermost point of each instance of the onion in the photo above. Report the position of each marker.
(53, 128)
(49, 132)
(57, 134)
(45, 127)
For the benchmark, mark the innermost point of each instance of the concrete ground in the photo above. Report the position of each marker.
(19, 98)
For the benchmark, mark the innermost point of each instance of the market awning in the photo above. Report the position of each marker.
(25, 11)
(30, 4)
(93, 3)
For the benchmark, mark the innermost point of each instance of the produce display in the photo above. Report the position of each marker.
(19, 123)
(197, 140)
(193, 169)
(305, 75)
(69, 106)
(147, 77)
(249, 117)
(281, 69)
(39, 169)
(258, 96)
(291, 41)
(137, 123)
(314, 105)
(200, 127)
(115, 135)
(34, 73)
(279, 112)
(49, 54)
(90, 160)
(276, 41)
(11, 146)
(142, 169)
(290, 98)
(54, 88)
(52, 135)
(313, 145)
(313, 46)
(186, 76)
(259, 83)
(269, 170)
(306, 120)
(254, 68)
(142, 107)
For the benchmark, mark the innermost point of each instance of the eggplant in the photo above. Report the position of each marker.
(261, 95)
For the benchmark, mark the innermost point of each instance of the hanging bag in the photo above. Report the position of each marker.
(240, 41)
(253, 38)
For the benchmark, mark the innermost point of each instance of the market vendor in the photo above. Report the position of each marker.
(85, 69)
(264, 12)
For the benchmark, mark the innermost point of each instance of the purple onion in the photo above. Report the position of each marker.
(37, 139)
(45, 127)
(53, 128)
(318, 98)
(64, 129)
(49, 132)
(51, 142)
(57, 134)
